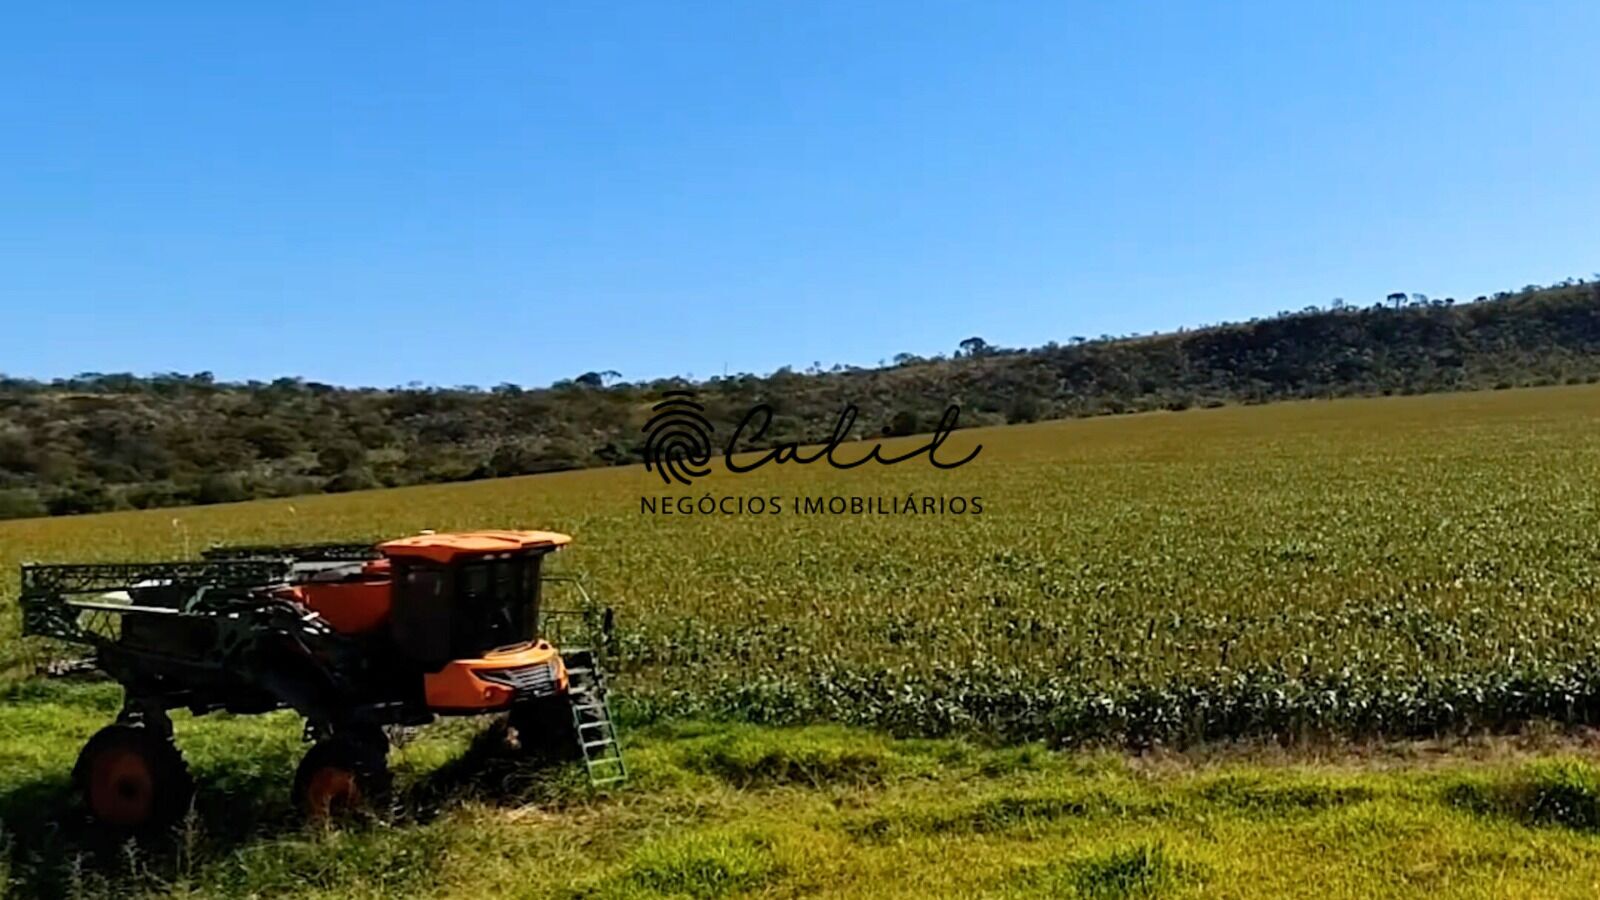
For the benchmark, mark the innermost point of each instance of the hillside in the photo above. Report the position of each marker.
(102, 442)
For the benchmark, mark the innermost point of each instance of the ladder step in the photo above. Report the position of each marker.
(591, 718)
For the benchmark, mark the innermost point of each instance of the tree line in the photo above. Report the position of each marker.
(99, 442)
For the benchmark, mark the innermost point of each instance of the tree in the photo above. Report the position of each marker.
(272, 439)
(904, 422)
(514, 458)
(597, 379)
(974, 346)
(339, 455)
(1023, 408)
(355, 478)
(221, 487)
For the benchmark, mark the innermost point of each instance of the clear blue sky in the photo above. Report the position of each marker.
(471, 194)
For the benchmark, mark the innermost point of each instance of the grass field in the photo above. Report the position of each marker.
(719, 810)
(1348, 569)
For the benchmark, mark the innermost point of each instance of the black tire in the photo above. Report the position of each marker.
(133, 777)
(341, 777)
(543, 729)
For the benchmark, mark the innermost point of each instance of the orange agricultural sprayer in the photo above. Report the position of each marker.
(352, 637)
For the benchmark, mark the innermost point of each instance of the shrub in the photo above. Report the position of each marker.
(21, 503)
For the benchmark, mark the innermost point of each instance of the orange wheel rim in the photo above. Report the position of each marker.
(331, 790)
(122, 790)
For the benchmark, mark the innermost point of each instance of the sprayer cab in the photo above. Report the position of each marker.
(466, 610)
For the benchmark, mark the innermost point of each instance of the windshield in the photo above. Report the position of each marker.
(464, 610)
(498, 603)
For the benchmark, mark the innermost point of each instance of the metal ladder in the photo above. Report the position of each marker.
(591, 720)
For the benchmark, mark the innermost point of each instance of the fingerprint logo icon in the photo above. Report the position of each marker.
(677, 443)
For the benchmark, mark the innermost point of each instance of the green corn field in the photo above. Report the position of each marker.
(1388, 566)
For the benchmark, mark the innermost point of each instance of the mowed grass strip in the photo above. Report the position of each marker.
(726, 810)
(1391, 566)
